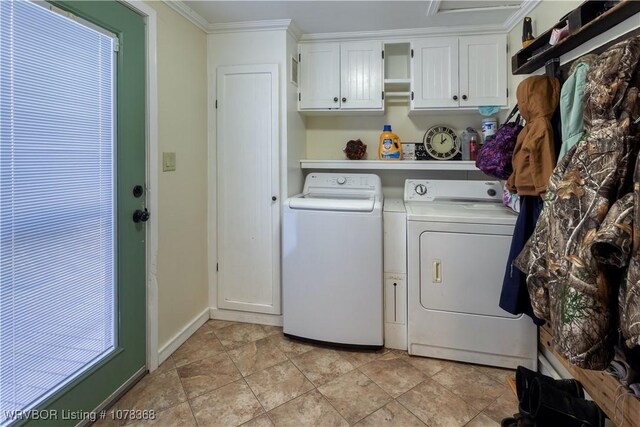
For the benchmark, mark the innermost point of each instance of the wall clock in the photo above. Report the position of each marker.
(441, 143)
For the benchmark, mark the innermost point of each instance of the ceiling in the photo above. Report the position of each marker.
(329, 16)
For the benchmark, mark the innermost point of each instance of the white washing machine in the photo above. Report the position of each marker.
(458, 239)
(332, 261)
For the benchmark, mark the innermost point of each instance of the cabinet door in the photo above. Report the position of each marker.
(319, 76)
(483, 70)
(435, 73)
(361, 75)
(247, 175)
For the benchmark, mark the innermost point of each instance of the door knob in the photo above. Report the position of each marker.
(335, 99)
(141, 216)
(344, 99)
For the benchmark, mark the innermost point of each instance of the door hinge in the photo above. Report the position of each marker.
(412, 95)
(382, 94)
(116, 44)
(507, 92)
(216, 104)
(383, 54)
(299, 57)
(216, 266)
(412, 53)
(299, 97)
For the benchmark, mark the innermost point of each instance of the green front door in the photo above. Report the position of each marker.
(72, 151)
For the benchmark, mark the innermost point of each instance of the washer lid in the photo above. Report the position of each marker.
(466, 212)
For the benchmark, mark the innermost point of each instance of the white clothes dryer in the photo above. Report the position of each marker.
(458, 239)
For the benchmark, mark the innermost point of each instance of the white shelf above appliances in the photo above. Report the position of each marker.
(433, 165)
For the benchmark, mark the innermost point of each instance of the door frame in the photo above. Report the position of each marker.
(151, 157)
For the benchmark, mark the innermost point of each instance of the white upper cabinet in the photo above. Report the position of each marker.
(435, 73)
(483, 70)
(454, 72)
(320, 76)
(361, 72)
(341, 76)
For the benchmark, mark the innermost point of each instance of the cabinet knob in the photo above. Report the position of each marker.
(274, 198)
(344, 99)
(464, 97)
(335, 99)
(455, 97)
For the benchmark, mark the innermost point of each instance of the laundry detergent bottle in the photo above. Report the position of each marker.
(389, 147)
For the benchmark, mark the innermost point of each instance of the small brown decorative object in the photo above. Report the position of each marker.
(355, 150)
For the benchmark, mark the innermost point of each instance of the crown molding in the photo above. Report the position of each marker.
(403, 34)
(525, 8)
(432, 7)
(294, 30)
(235, 27)
(288, 25)
(232, 27)
(184, 10)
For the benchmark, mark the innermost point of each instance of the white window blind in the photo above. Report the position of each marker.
(57, 247)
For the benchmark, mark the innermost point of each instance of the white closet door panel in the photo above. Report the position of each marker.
(483, 70)
(247, 159)
(320, 76)
(361, 71)
(435, 73)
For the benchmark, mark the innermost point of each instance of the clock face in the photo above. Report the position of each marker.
(441, 142)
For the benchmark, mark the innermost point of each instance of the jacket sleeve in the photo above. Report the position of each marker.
(613, 240)
(534, 257)
(515, 157)
(532, 261)
(542, 158)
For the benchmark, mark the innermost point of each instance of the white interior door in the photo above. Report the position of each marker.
(320, 76)
(483, 70)
(248, 205)
(361, 71)
(435, 73)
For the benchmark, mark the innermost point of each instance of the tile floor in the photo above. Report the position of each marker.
(230, 374)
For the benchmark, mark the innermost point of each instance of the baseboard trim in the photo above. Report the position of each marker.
(175, 342)
(243, 316)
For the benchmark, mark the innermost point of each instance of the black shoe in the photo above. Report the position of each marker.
(550, 406)
(525, 376)
(518, 420)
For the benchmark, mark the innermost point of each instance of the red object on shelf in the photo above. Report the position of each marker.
(473, 150)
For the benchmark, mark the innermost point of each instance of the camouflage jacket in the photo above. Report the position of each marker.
(567, 282)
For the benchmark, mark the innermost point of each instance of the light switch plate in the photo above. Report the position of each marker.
(168, 162)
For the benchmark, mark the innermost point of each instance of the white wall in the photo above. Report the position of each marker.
(182, 198)
(328, 135)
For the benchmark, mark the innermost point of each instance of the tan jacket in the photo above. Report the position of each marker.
(534, 154)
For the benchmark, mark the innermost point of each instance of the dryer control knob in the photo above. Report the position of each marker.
(341, 180)
(421, 189)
